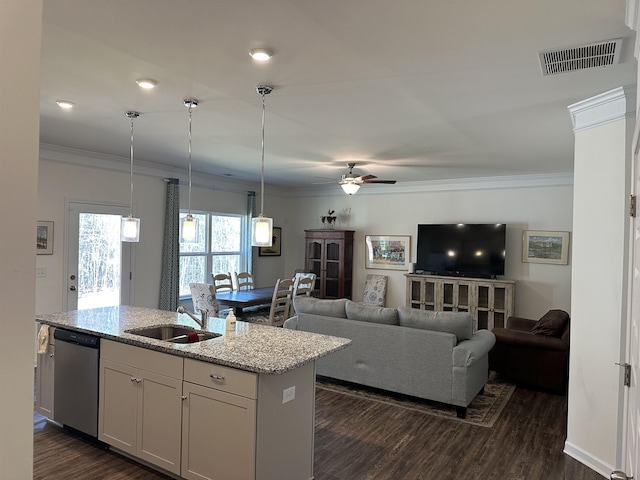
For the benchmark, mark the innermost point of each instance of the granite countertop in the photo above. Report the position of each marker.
(251, 347)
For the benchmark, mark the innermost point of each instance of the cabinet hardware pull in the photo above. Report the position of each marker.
(51, 355)
(183, 397)
(133, 379)
(219, 378)
(138, 380)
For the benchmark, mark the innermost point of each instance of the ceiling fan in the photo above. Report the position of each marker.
(350, 183)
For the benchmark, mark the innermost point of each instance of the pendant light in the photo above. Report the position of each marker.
(189, 224)
(261, 226)
(130, 226)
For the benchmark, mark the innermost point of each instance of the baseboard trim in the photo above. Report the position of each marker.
(587, 459)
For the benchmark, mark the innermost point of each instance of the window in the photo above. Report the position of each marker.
(219, 248)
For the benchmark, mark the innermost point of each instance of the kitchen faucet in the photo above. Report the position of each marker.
(202, 321)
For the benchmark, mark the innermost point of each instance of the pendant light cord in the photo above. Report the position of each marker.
(190, 107)
(262, 174)
(131, 166)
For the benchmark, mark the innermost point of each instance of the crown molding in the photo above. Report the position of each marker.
(632, 20)
(449, 185)
(95, 160)
(85, 158)
(607, 107)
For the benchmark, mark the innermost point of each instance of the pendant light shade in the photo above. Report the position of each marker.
(261, 226)
(130, 226)
(189, 225)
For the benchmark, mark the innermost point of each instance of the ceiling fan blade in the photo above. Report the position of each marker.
(388, 182)
(364, 178)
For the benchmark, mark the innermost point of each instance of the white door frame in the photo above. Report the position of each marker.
(127, 279)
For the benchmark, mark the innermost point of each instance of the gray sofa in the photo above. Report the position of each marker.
(431, 355)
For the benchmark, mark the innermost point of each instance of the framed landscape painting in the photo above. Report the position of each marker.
(276, 248)
(545, 247)
(44, 238)
(389, 252)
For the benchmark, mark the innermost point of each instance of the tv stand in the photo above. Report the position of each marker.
(489, 301)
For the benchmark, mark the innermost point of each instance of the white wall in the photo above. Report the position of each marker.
(20, 33)
(539, 287)
(61, 182)
(604, 129)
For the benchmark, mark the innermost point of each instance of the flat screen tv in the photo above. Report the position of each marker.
(463, 249)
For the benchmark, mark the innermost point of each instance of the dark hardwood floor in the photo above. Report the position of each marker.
(361, 440)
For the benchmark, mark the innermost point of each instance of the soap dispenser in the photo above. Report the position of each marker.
(230, 321)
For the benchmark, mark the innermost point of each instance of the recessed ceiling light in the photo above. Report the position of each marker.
(147, 83)
(261, 54)
(66, 104)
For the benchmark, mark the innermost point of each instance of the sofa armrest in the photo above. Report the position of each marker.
(291, 323)
(522, 324)
(510, 337)
(467, 352)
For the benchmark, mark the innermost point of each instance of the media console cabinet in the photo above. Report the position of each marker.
(490, 302)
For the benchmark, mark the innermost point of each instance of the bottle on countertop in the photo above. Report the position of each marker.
(230, 321)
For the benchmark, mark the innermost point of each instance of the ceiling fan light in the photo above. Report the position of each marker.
(261, 54)
(350, 187)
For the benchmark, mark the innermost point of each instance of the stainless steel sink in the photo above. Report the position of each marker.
(174, 333)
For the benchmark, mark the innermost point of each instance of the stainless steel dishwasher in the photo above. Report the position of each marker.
(75, 393)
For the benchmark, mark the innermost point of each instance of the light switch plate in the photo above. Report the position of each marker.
(288, 394)
(41, 272)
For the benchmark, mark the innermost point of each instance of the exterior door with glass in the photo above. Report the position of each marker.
(98, 266)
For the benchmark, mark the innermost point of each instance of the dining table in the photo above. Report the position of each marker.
(241, 299)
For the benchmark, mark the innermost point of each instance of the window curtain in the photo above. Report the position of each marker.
(251, 212)
(169, 283)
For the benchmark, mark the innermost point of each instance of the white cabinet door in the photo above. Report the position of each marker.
(44, 382)
(159, 420)
(118, 405)
(218, 435)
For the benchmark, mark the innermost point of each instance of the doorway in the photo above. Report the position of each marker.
(98, 266)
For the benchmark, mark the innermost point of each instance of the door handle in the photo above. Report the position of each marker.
(72, 288)
(619, 475)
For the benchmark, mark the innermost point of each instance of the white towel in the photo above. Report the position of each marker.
(43, 338)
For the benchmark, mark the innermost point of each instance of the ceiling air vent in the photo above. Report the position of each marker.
(601, 54)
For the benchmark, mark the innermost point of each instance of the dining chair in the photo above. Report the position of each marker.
(280, 304)
(244, 281)
(203, 296)
(375, 290)
(222, 282)
(303, 284)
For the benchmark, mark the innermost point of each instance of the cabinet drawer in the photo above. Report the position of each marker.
(158, 362)
(221, 378)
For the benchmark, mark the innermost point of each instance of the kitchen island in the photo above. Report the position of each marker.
(238, 406)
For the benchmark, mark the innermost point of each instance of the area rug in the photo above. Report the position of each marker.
(483, 411)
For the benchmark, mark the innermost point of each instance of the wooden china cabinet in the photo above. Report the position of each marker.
(329, 254)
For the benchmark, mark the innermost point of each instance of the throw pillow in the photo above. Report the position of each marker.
(371, 313)
(458, 323)
(317, 306)
(552, 323)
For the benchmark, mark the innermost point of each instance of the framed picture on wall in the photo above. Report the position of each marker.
(44, 238)
(545, 247)
(389, 252)
(275, 249)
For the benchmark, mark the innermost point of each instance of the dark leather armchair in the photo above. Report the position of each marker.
(534, 352)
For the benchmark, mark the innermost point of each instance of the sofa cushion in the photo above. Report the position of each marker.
(458, 323)
(316, 306)
(552, 323)
(371, 313)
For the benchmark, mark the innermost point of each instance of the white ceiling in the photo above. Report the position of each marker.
(413, 90)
